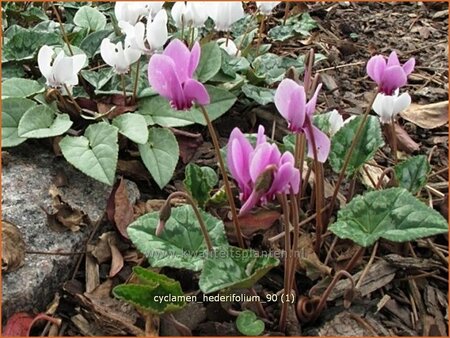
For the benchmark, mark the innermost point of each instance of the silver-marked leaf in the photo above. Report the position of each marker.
(157, 110)
(369, 142)
(12, 111)
(132, 126)
(181, 244)
(160, 154)
(95, 153)
(235, 268)
(393, 214)
(412, 173)
(17, 87)
(42, 121)
(91, 18)
(248, 324)
(210, 61)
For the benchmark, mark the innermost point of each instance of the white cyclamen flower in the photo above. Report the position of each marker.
(155, 34)
(62, 70)
(388, 106)
(336, 121)
(266, 7)
(231, 49)
(132, 11)
(190, 14)
(225, 14)
(118, 57)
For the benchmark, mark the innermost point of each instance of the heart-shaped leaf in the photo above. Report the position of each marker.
(91, 43)
(42, 121)
(235, 268)
(160, 154)
(181, 245)
(157, 110)
(210, 61)
(157, 294)
(261, 95)
(20, 88)
(248, 324)
(369, 142)
(132, 126)
(90, 18)
(199, 182)
(412, 173)
(12, 111)
(95, 153)
(393, 214)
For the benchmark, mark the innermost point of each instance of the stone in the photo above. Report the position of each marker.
(26, 178)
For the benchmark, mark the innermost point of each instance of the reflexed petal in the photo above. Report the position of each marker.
(157, 34)
(311, 105)
(63, 70)
(295, 181)
(393, 78)
(178, 10)
(384, 107)
(107, 52)
(199, 12)
(260, 137)
(336, 121)
(282, 177)
(266, 7)
(196, 92)
(163, 78)
(375, 68)
(249, 203)
(139, 36)
(194, 59)
(131, 56)
(238, 155)
(408, 67)
(181, 56)
(264, 155)
(401, 103)
(231, 49)
(45, 56)
(290, 100)
(322, 144)
(393, 59)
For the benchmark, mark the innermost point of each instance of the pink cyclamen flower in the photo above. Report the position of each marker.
(260, 172)
(290, 100)
(389, 75)
(171, 75)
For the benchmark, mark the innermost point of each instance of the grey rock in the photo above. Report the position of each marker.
(26, 180)
(133, 191)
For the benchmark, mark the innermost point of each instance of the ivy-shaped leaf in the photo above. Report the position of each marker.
(95, 153)
(12, 111)
(199, 182)
(369, 142)
(260, 95)
(160, 154)
(21, 88)
(91, 43)
(157, 110)
(248, 323)
(41, 122)
(181, 244)
(157, 294)
(90, 18)
(393, 214)
(132, 126)
(412, 173)
(210, 61)
(234, 268)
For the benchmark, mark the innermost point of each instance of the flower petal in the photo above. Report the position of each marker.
(393, 59)
(196, 92)
(260, 137)
(181, 56)
(178, 10)
(194, 59)
(311, 105)
(393, 78)
(322, 143)
(408, 67)
(163, 78)
(375, 68)
(45, 56)
(290, 100)
(249, 203)
(401, 103)
(282, 178)
(157, 34)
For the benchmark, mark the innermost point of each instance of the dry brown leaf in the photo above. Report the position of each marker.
(375, 174)
(308, 259)
(123, 209)
(13, 247)
(428, 116)
(254, 222)
(92, 273)
(133, 169)
(102, 251)
(117, 258)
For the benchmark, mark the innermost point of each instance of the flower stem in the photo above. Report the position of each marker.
(349, 153)
(287, 247)
(61, 27)
(136, 80)
(294, 249)
(226, 182)
(318, 188)
(201, 222)
(393, 141)
(260, 31)
(286, 11)
(69, 94)
(122, 79)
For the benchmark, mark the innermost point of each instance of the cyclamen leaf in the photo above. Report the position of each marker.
(91, 18)
(95, 153)
(234, 268)
(160, 154)
(261, 95)
(41, 122)
(248, 323)
(210, 61)
(369, 142)
(21, 88)
(199, 182)
(412, 173)
(181, 245)
(132, 126)
(393, 214)
(12, 111)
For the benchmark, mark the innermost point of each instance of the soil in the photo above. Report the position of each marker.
(408, 296)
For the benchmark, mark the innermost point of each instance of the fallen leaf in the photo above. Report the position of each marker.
(117, 258)
(123, 211)
(20, 324)
(112, 110)
(371, 173)
(308, 259)
(254, 222)
(188, 143)
(428, 116)
(133, 169)
(404, 141)
(13, 247)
